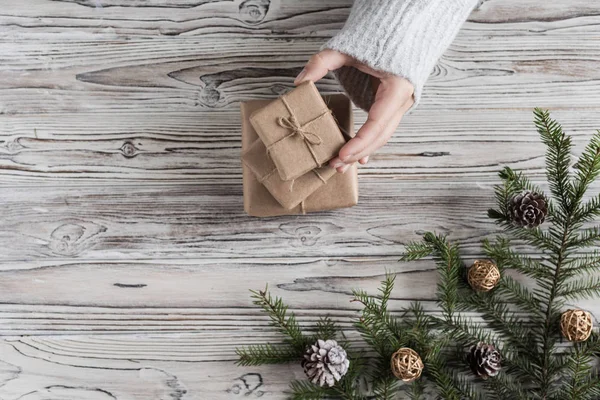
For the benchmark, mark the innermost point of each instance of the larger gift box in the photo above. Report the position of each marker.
(339, 191)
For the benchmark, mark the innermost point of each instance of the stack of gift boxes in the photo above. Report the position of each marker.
(286, 144)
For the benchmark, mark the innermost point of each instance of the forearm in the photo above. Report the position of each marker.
(400, 37)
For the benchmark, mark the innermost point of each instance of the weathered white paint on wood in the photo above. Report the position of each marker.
(125, 255)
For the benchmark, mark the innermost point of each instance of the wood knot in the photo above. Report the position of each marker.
(254, 11)
(210, 95)
(306, 235)
(72, 237)
(246, 385)
(129, 150)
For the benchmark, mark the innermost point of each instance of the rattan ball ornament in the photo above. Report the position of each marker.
(407, 364)
(483, 275)
(576, 325)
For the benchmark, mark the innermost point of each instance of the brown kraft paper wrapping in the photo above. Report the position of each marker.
(340, 191)
(299, 131)
(288, 193)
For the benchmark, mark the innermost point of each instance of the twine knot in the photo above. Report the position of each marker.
(293, 125)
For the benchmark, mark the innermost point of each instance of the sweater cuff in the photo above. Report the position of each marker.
(400, 37)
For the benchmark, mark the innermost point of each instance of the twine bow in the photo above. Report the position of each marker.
(309, 138)
(292, 124)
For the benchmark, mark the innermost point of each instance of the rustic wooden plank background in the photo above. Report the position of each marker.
(125, 253)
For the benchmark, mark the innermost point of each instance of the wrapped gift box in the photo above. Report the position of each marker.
(340, 191)
(299, 131)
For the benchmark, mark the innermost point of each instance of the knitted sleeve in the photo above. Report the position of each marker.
(400, 37)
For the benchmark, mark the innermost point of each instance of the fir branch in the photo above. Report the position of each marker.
(386, 290)
(305, 390)
(505, 257)
(585, 238)
(519, 295)
(465, 331)
(581, 384)
(326, 329)
(589, 210)
(416, 390)
(587, 167)
(450, 268)
(416, 251)
(588, 264)
(277, 311)
(577, 290)
(386, 387)
(558, 159)
(451, 385)
(502, 387)
(377, 326)
(266, 354)
(504, 323)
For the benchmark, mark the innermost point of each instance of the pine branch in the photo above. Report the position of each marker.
(326, 329)
(505, 257)
(266, 354)
(305, 390)
(450, 267)
(589, 210)
(558, 159)
(416, 251)
(277, 311)
(577, 290)
(587, 167)
(377, 326)
(502, 387)
(416, 390)
(585, 238)
(504, 323)
(450, 384)
(519, 295)
(386, 290)
(581, 384)
(589, 264)
(385, 388)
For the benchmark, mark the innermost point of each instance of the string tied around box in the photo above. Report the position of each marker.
(309, 138)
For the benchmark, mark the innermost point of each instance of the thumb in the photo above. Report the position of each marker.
(320, 64)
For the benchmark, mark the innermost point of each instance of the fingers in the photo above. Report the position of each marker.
(320, 64)
(384, 116)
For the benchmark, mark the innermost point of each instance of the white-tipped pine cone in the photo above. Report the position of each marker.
(484, 360)
(528, 209)
(325, 362)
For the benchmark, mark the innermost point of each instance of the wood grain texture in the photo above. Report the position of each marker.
(125, 255)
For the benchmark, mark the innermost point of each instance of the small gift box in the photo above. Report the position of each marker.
(299, 131)
(288, 193)
(340, 191)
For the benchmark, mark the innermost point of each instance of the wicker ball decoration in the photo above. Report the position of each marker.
(483, 275)
(576, 325)
(407, 364)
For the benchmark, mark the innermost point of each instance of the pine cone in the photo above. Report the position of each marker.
(528, 209)
(484, 360)
(325, 362)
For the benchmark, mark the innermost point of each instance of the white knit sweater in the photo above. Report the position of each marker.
(400, 37)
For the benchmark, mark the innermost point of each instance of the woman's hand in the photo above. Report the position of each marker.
(393, 97)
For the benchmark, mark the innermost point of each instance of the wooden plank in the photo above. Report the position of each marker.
(122, 18)
(199, 295)
(94, 368)
(170, 221)
(485, 68)
(198, 148)
(172, 102)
